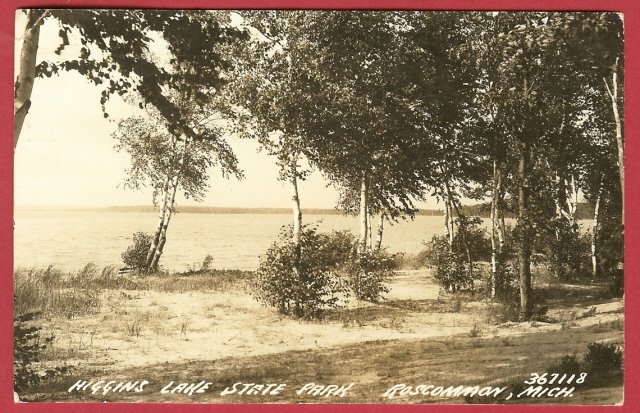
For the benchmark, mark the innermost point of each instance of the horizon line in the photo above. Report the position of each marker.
(193, 208)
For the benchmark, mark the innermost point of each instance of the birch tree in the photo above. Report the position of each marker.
(360, 136)
(168, 163)
(273, 87)
(115, 55)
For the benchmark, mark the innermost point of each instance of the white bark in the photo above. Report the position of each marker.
(161, 217)
(165, 224)
(573, 200)
(613, 95)
(594, 239)
(174, 182)
(295, 203)
(447, 231)
(494, 231)
(369, 232)
(364, 207)
(502, 227)
(500, 215)
(26, 72)
(380, 231)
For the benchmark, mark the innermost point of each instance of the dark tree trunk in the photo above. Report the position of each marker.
(380, 231)
(524, 241)
(462, 228)
(494, 228)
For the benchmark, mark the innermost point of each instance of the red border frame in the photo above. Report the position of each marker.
(631, 10)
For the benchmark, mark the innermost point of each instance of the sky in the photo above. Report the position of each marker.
(66, 157)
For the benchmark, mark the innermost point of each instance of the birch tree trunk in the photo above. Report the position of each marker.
(524, 247)
(26, 72)
(161, 217)
(295, 203)
(369, 232)
(613, 95)
(452, 223)
(165, 224)
(500, 215)
(462, 226)
(164, 209)
(594, 239)
(494, 231)
(572, 201)
(380, 231)
(174, 182)
(364, 207)
(447, 230)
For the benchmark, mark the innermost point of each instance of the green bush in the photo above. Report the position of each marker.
(206, 263)
(301, 280)
(339, 246)
(567, 251)
(135, 255)
(451, 271)
(611, 254)
(478, 239)
(603, 359)
(507, 283)
(568, 364)
(368, 272)
(28, 344)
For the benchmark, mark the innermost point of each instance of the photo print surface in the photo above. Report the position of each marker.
(269, 206)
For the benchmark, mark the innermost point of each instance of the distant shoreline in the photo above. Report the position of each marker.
(482, 210)
(206, 210)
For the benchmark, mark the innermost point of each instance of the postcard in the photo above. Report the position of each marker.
(307, 207)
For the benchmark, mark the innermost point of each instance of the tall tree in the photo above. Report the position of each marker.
(115, 55)
(167, 163)
(536, 88)
(166, 157)
(361, 111)
(274, 89)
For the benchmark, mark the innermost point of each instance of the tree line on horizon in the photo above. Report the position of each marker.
(520, 110)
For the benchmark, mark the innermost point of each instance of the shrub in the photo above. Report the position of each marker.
(610, 253)
(450, 269)
(507, 283)
(206, 263)
(339, 246)
(567, 251)
(368, 272)
(568, 364)
(135, 255)
(477, 238)
(28, 344)
(300, 280)
(603, 359)
(420, 260)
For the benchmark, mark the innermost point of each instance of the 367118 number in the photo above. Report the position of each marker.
(556, 378)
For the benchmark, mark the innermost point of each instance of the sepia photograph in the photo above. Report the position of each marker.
(259, 206)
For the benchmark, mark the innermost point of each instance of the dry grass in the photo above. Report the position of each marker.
(53, 292)
(206, 327)
(374, 367)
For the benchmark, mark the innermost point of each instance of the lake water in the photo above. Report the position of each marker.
(70, 238)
